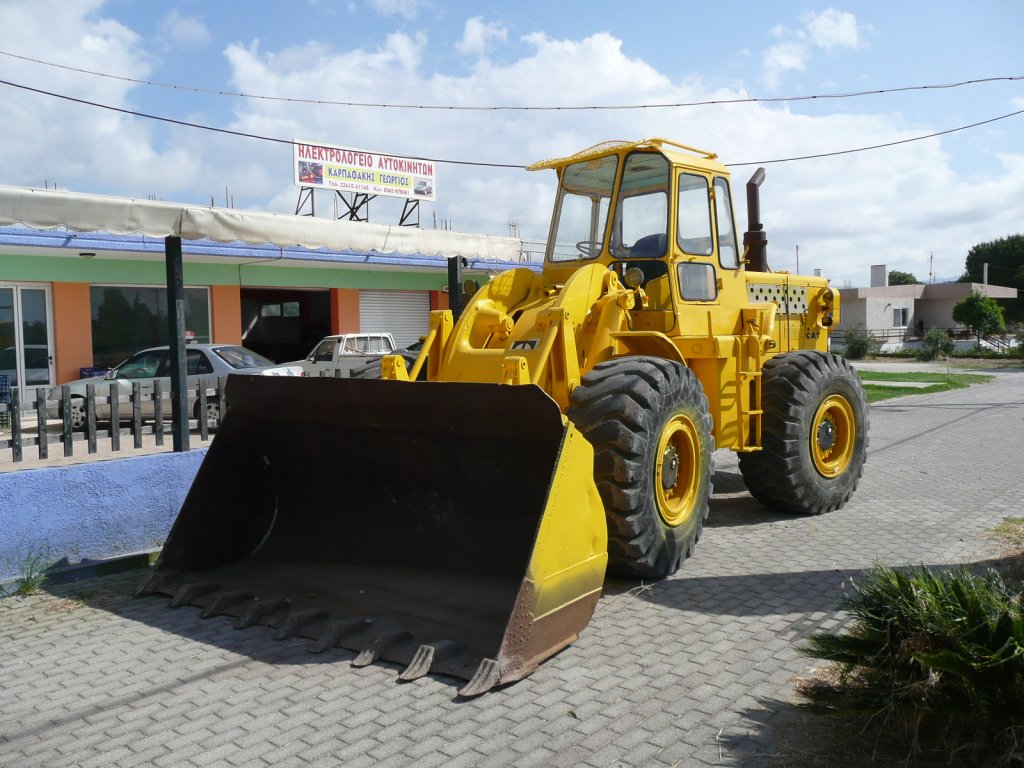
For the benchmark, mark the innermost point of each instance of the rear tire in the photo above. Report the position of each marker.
(814, 434)
(649, 423)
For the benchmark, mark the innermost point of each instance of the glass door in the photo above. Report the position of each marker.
(26, 338)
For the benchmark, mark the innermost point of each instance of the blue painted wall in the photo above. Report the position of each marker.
(92, 511)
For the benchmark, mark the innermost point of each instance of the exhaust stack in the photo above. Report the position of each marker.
(755, 239)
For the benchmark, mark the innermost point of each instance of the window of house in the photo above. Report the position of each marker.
(280, 309)
(127, 318)
(901, 317)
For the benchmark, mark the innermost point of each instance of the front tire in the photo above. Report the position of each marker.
(649, 423)
(814, 434)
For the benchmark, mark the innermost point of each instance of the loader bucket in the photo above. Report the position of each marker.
(451, 527)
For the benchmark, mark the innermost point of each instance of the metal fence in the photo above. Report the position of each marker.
(997, 342)
(73, 422)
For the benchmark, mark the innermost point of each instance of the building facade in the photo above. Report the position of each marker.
(73, 299)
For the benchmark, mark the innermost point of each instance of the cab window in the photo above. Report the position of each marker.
(728, 253)
(697, 281)
(581, 210)
(693, 224)
(641, 220)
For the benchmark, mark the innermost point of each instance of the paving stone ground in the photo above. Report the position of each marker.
(691, 671)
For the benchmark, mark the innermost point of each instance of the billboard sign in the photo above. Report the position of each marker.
(355, 170)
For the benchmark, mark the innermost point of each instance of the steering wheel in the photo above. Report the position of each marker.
(588, 248)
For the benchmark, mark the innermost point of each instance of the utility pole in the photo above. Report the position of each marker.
(798, 259)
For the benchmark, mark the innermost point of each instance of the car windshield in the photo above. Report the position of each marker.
(240, 357)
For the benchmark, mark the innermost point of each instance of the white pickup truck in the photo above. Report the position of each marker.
(345, 352)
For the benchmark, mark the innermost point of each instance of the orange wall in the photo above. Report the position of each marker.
(438, 300)
(344, 310)
(72, 330)
(226, 310)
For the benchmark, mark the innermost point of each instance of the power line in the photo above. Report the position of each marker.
(290, 142)
(879, 146)
(510, 108)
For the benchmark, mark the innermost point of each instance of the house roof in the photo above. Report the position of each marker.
(930, 291)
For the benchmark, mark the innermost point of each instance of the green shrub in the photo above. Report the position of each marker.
(858, 343)
(32, 574)
(937, 342)
(929, 652)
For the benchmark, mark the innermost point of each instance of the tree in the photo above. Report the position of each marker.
(982, 314)
(1005, 259)
(902, 278)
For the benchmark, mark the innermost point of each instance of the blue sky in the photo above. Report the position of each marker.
(917, 207)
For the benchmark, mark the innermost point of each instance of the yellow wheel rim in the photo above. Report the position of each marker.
(833, 433)
(678, 468)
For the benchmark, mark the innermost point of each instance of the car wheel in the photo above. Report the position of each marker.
(212, 414)
(78, 417)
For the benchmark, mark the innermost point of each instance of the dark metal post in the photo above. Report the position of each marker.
(176, 340)
(455, 265)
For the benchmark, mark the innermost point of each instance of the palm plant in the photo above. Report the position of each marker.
(927, 645)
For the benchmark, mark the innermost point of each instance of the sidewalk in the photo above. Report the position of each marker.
(104, 452)
(695, 670)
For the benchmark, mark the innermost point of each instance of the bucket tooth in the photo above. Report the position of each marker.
(225, 600)
(296, 621)
(260, 610)
(486, 677)
(377, 648)
(152, 583)
(425, 656)
(337, 630)
(189, 592)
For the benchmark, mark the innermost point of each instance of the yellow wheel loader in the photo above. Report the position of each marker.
(458, 516)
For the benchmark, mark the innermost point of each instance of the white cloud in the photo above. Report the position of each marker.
(479, 35)
(782, 58)
(186, 31)
(828, 30)
(833, 29)
(406, 8)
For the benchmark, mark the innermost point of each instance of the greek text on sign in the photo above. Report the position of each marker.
(356, 170)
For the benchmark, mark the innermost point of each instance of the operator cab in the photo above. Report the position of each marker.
(647, 212)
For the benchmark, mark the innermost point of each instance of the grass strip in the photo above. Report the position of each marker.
(940, 382)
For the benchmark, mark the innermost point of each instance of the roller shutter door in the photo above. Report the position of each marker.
(406, 314)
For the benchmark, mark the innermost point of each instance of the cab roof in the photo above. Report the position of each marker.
(673, 150)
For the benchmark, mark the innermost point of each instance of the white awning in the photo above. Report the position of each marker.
(50, 209)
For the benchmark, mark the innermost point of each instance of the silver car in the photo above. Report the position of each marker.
(203, 362)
